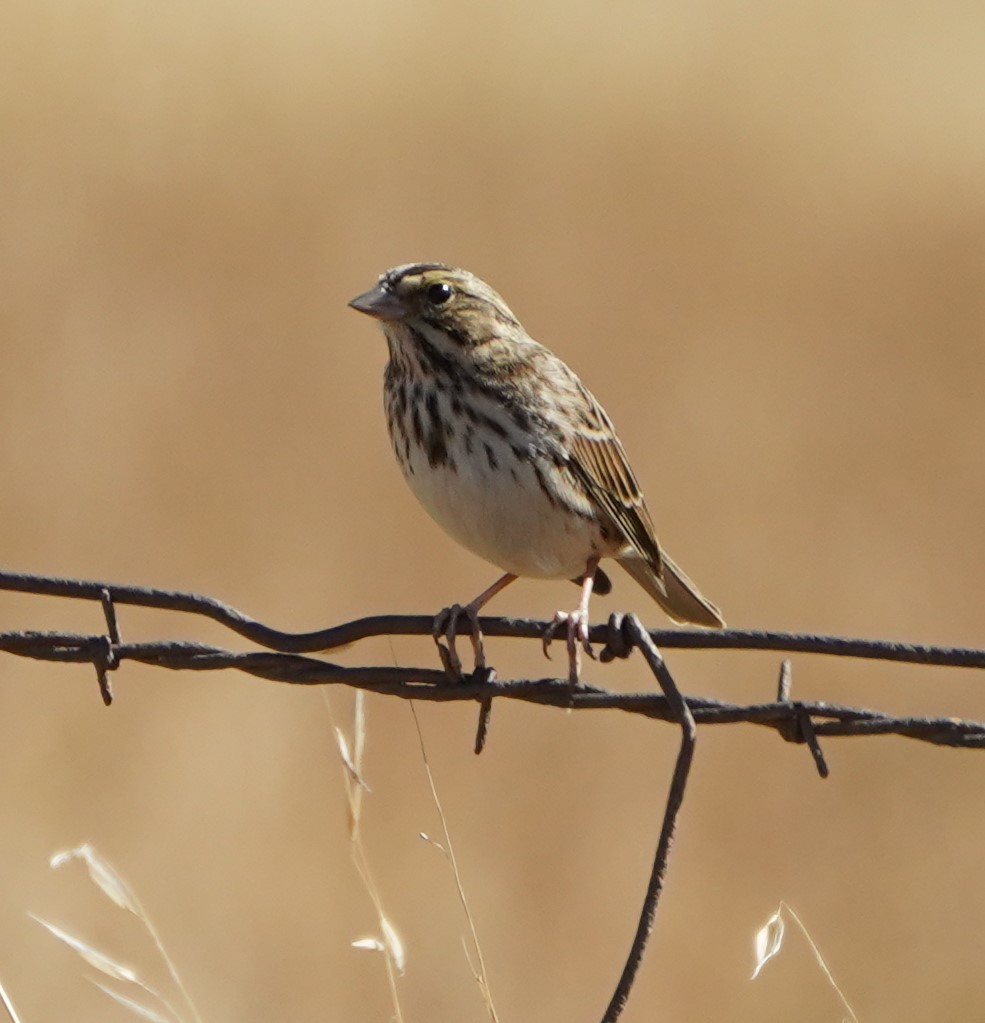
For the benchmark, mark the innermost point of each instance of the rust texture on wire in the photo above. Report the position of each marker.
(285, 659)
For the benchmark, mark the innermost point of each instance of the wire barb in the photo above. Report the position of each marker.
(785, 681)
(283, 660)
(810, 738)
(618, 642)
(799, 727)
(482, 676)
(106, 660)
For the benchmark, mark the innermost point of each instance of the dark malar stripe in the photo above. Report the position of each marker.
(432, 361)
(436, 364)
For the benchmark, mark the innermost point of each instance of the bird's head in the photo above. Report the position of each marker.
(450, 309)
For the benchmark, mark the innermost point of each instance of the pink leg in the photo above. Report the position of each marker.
(577, 626)
(446, 626)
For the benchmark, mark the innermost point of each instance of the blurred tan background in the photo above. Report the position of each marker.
(756, 230)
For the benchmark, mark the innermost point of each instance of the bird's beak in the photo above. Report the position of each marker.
(380, 303)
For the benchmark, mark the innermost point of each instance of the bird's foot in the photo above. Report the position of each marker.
(576, 624)
(444, 631)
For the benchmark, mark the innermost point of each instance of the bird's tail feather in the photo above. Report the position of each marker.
(674, 592)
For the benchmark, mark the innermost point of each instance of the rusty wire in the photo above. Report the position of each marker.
(285, 659)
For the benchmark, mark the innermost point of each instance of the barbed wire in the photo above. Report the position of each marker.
(286, 660)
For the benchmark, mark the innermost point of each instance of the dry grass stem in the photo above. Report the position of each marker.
(8, 1005)
(478, 967)
(769, 941)
(137, 1008)
(111, 968)
(351, 753)
(112, 884)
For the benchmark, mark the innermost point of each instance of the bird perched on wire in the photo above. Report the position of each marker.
(511, 454)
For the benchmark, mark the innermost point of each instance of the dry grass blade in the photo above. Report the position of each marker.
(394, 946)
(112, 884)
(96, 959)
(8, 1005)
(351, 754)
(373, 944)
(101, 874)
(769, 941)
(348, 760)
(359, 730)
(106, 965)
(355, 784)
(137, 1008)
(391, 945)
(479, 966)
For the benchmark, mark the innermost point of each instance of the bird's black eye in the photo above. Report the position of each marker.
(438, 294)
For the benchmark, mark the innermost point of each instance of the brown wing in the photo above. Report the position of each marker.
(599, 461)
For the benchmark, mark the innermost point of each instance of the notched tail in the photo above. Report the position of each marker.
(674, 592)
